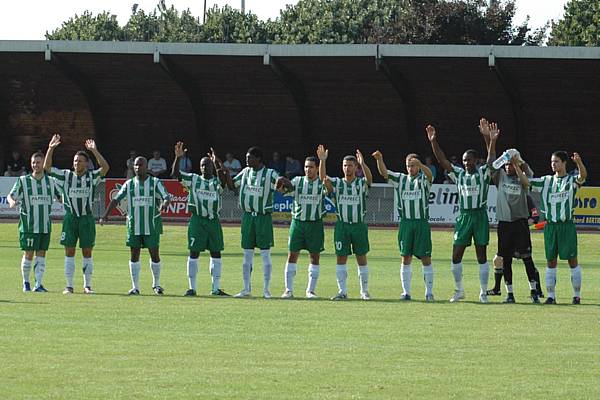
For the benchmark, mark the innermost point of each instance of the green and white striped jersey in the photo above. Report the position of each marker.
(472, 188)
(557, 196)
(204, 197)
(412, 194)
(78, 192)
(143, 202)
(35, 198)
(350, 199)
(256, 189)
(308, 199)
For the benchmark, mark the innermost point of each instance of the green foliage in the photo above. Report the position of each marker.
(103, 26)
(323, 21)
(580, 25)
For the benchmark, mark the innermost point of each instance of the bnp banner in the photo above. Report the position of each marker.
(177, 208)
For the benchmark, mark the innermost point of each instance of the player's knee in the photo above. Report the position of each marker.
(214, 254)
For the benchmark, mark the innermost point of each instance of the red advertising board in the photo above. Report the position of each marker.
(177, 208)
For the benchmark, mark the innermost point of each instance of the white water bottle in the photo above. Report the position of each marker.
(504, 158)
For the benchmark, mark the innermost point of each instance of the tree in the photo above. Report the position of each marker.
(228, 25)
(103, 26)
(163, 24)
(580, 25)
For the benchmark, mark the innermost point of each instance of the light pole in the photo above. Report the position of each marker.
(243, 7)
(204, 15)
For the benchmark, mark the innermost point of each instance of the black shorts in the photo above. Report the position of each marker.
(514, 239)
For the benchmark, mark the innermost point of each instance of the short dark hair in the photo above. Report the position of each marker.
(38, 154)
(413, 155)
(350, 158)
(83, 154)
(471, 152)
(312, 159)
(562, 155)
(256, 152)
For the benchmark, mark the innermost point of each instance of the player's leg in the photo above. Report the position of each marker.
(481, 237)
(248, 243)
(551, 250)
(406, 239)
(87, 241)
(342, 244)
(296, 243)
(155, 266)
(568, 250)
(502, 233)
(42, 242)
(313, 275)
(216, 244)
(508, 279)
(264, 241)
(360, 247)
(192, 271)
(422, 249)
(26, 243)
(68, 239)
(134, 243)
(462, 239)
(315, 244)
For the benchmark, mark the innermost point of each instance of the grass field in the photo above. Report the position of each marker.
(109, 345)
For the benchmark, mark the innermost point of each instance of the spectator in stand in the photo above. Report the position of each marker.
(292, 166)
(232, 165)
(157, 166)
(429, 164)
(16, 165)
(129, 173)
(277, 163)
(185, 162)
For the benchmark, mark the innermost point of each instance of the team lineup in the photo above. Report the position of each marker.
(256, 184)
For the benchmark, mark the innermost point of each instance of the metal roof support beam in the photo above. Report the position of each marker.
(87, 88)
(406, 94)
(193, 92)
(296, 89)
(514, 97)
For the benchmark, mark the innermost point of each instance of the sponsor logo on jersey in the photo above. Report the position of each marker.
(411, 195)
(253, 190)
(511, 188)
(349, 199)
(40, 200)
(559, 197)
(309, 198)
(206, 195)
(79, 192)
(143, 201)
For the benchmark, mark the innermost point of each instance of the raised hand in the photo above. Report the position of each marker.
(90, 144)
(431, 133)
(576, 158)
(279, 183)
(377, 155)
(359, 157)
(494, 131)
(484, 127)
(54, 142)
(179, 151)
(322, 153)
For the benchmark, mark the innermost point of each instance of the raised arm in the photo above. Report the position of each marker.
(582, 169)
(523, 179)
(322, 153)
(437, 150)
(179, 152)
(426, 171)
(365, 167)
(484, 129)
(90, 144)
(222, 173)
(54, 142)
(381, 167)
(494, 134)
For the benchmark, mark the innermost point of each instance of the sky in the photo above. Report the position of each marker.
(29, 20)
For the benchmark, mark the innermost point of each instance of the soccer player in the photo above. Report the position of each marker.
(414, 233)
(204, 228)
(34, 194)
(306, 229)
(560, 234)
(351, 233)
(257, 184)
(78, 190)
(472, 222)
(144, 223)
